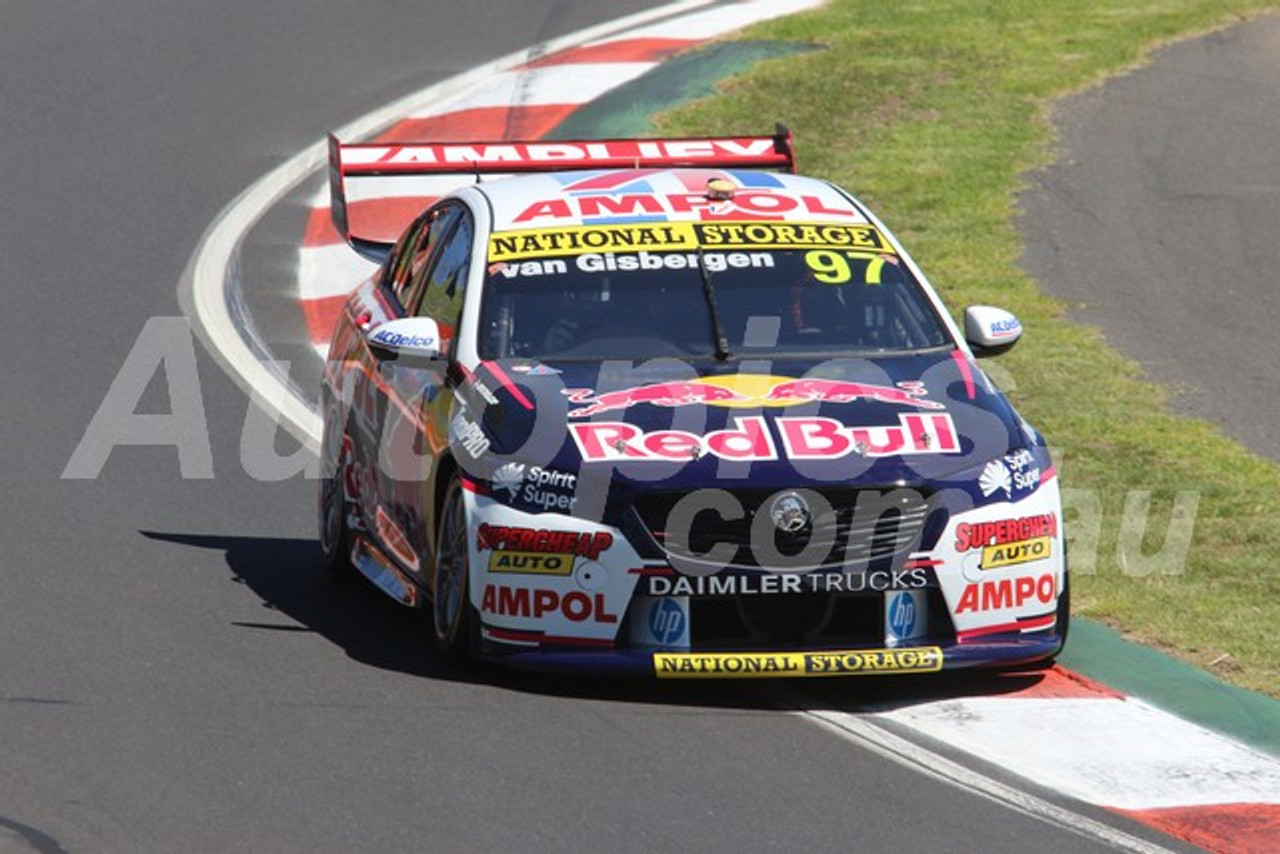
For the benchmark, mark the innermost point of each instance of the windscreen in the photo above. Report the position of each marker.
(647, 290)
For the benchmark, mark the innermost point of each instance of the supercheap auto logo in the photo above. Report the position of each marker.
(580, 543)
(538, 551)
(1008, 542)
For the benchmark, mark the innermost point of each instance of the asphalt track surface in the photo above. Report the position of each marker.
(175, 675)
(1160, 223)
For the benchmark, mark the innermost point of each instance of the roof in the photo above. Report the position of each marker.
(602, 197)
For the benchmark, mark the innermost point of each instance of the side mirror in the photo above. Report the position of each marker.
(417, 337)
(990, 330)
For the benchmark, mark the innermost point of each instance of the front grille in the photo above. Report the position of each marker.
(785, 619)
(853, 621)
(721, 528)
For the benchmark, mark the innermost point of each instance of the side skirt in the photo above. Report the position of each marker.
(379, 569)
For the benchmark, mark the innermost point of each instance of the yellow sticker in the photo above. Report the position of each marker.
(791, 235)
(580, 240)
(685, 237)
(832, 268)
(1008, 554)
(740, 665)
(531, 563)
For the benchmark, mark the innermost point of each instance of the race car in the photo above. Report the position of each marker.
(665, 407)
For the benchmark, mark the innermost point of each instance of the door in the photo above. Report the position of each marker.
(417, 393)
(388, 469)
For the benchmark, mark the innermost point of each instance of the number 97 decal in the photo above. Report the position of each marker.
(833, 268)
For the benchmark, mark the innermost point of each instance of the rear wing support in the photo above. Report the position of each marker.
(468, 160)
(374, 250)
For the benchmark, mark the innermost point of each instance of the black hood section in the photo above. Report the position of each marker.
(903, 420)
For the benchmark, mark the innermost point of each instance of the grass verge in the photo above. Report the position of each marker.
(931, 112)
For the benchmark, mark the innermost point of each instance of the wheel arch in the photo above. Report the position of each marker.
(446, 470)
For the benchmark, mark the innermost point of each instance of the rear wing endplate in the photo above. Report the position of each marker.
(375, 160)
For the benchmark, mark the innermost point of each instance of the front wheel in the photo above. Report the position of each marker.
(335, 537)
(1062, 626)
(1064, 607)
(451, 603)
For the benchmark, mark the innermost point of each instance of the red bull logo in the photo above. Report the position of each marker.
(749, 391)
(750, 440)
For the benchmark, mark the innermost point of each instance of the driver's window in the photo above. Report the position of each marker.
(438, 289)
(414, 249)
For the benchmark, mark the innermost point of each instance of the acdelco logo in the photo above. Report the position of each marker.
(396, 339)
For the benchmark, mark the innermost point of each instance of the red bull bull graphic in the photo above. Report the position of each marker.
(840, 391)
(749, 390)
(657, 394)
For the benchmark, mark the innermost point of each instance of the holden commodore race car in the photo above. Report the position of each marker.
(663, 406)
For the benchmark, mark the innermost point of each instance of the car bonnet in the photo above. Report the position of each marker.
(923, 419)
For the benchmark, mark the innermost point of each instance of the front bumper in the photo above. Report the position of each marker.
(556, 592)
(1008, 651)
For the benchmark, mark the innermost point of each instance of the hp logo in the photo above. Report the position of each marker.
(666, 621)
(902, 614)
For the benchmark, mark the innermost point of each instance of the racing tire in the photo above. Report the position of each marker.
(1064, 608)
(453, 617)
(335, 537)
(1062, 626)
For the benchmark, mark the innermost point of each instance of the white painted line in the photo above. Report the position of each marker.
(1116, 753)
(548, 85)
(203, 295)
(868, 735)
(717, 21)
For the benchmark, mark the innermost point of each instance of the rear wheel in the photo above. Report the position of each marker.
(453, 618)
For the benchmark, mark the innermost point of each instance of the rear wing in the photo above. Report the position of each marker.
(475, 159)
